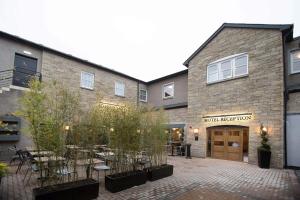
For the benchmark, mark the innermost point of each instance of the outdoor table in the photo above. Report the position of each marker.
(102, 154)
(41, 153)
(86, 162)
(71, 146)
(46, 159)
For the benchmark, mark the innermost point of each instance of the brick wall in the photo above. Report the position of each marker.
(260, 93)
(69, 72)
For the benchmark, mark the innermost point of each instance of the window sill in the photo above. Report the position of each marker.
(292, 73)
(229, 79)
(90, 89)
(120, 96)
(166, 98)
(145, 101)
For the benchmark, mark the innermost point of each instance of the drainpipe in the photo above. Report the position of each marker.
(285, 93)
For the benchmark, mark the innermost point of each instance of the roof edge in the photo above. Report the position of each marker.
(185, 71)
(280, 27)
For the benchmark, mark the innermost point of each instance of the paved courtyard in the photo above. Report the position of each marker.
(193, 179)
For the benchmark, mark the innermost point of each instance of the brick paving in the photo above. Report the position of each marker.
(193, 179)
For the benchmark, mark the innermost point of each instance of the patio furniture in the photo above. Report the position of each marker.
(51, 158)
(41, 153)
(23, 157)
(64, 171)
(33, 168)
(15, 156)
(99, 168)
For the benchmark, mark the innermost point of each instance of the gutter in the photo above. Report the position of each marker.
(286, 97)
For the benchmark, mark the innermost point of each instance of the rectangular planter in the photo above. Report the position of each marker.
(159, 172)
(118, 182)
(78, 190)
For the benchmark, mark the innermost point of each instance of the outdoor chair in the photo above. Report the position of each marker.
(23, 157)
(15, 156)
(32, 167)
(64, 171)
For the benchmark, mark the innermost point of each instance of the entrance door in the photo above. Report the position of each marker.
(227, 143)
(293, 140)
(25, 69)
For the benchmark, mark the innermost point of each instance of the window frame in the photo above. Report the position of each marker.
(81, 82)
(233, 67)
(143, 100)
(120, 83)
(163, 90)
(291, 61)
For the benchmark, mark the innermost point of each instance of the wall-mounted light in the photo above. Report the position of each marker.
(264, 129)
(196, 133)
(27, 52)
(196, 130)
(67, 128)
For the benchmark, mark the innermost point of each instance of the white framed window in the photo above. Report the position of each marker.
(87, 80)
(295, 61)
(227, 68)
(143, 95)
(119, 89)
(168, 91)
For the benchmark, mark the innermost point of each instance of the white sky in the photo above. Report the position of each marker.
(144, 39)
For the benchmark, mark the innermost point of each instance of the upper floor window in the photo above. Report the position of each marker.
(119, 89)
(87, 80)
(227, 68)
(168, 90)
(295, 61)
(143, 95)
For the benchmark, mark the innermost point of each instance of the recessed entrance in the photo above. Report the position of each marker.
(228, 142)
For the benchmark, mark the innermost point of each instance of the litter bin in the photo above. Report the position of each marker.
(188, 151)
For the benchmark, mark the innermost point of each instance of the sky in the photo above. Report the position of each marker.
(144, 39)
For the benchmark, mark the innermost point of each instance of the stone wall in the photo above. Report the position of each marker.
(177, 116)
(69, 71)
(293, 104)
(259, 93)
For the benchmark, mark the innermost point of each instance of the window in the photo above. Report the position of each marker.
(143, 95)
(87, 80)
(227, 68)
(295, 61)
(119, 89)
(168, 91)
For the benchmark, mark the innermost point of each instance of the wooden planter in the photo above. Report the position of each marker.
(118, 182)
(159, 172)
(264, 158)
(78, 190)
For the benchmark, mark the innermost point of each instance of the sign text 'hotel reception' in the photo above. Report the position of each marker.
(228, 118)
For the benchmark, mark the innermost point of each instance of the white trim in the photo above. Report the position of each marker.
(120, 83)
(146, 95)
(291, 61)
(19, 88)
(232, 60)
(81, 80)
(163, 92)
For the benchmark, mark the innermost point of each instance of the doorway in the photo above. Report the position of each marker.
(228, 143)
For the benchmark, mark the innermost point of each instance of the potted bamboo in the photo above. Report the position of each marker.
(264, 151)
(155, 141)
(49, 109)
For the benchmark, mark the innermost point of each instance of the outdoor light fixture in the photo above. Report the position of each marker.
(67, 128)
(111, 129)
(138, 131)
(27, 52)
(196, 133)
(264, 128)
(298, 55)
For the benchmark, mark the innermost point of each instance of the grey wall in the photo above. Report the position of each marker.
(292, 79)
(8, 48)
(180, 91)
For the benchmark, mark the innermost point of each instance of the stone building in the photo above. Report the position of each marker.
(242, 77)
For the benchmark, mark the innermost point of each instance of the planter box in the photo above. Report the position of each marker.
(264, 158)
(78, 190)
(162, 171)
(118, 182)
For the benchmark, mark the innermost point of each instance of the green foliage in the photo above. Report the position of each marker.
(264, 144)
(3, 169)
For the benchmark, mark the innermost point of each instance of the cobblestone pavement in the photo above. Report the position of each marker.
(193, 179)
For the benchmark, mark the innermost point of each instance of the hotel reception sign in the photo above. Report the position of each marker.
(228, 118)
